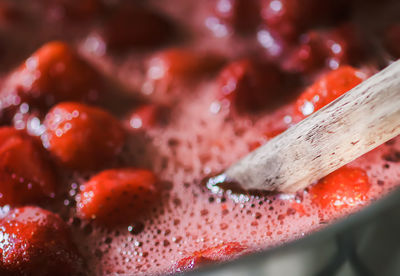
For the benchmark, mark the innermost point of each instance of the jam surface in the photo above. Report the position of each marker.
(113, 113)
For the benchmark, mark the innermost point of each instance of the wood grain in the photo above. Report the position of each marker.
(357, 122)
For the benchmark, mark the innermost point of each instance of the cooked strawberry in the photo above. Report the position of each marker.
(37, 242)
(147, 116)
(26, 175)
(330, 48)
(243, 15)
(391, 40)
(133, 25)
(52, 74)
(182, 63)
(118, 196)
(344, 188)
(82, 137)
(219, 253)
(327, 89)
(248, 85)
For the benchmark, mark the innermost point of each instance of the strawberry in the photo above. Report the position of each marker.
(52, 74)
(37, 242)
(25, 173)
(248, 85)
(133, 25)
(147, 116)
(118, 196)
(344, 188)
(330, 48)
(327, 89)
(82, 137)
(219, 253)
(243, 15)
(182, 63)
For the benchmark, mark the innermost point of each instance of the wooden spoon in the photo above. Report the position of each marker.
(357, 122)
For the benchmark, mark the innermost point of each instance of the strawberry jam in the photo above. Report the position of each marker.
(113, 113)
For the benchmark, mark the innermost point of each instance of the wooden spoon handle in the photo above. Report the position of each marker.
(357, 122)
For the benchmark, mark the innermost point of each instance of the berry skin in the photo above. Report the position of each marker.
(328, 48)
(52, 74)
(118, 196)
(344, 188)
(249, 86)
(37, 242)
(327, 89)
(219, 253)
(243, 15)
(135, 26)
(82, 137)
(147, 116)
(26, 175)
(182, 63)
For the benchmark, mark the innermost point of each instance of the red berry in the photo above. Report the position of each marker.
(243, 15)
(327, 89)
(136, 26)
(249, 86)
(26, 175)
(118, 196)
(37, 242)
(219, 253)
(52, 74)
(82, 137)
(392, 40)
(319, 49)
(182, 63)
(147, 116)
(344, 188)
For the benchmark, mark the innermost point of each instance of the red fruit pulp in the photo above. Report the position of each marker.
(82, 137)
(118, 196)
(326, 89)
(344, 188)
(25, 172)
(37, 242)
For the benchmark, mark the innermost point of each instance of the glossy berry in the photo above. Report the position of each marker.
(243, 15)
(219, 253)
(320, 49)
(118, 196)
(391, 40)
(52, 74)
(25, 173)
(182, 63)
(135, 26)
(82, 137)
(147, 116)
(327, 89)
(249, 86)
(344, 188)
(37, 242)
